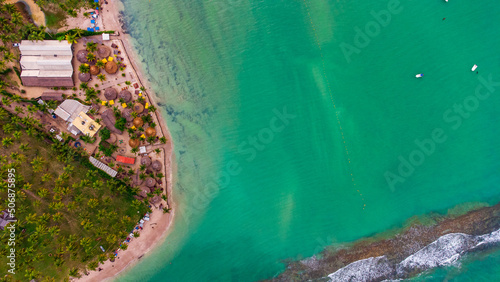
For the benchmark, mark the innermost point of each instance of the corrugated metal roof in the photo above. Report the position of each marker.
(69, 109)
(46, 59)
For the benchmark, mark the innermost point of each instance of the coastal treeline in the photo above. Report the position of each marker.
(66, 209)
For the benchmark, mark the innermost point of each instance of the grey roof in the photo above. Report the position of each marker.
(69, 109)
(46, 63)
(103, 167)
(45, 47)
(150, 182)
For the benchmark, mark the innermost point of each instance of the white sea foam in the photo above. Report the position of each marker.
(374, 268)
(446, 250)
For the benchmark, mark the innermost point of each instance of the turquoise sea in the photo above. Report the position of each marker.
(300, 124)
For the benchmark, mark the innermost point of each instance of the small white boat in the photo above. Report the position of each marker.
(419, 75)
(474, 68)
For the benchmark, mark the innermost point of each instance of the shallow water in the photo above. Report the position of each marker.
(283, 142)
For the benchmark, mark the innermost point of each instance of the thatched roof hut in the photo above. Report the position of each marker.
(111, 67)
(150, 182)
(138, 122)
(137, 180)
(155, 200)
(150, 132)
(125, 95)
(109, 120)
(110, 93)
(156, 165)
(138, 108)
(81, 56)
(127, 114)
(134, 143)
(143, 194)
(84, 77)
(103, 51)
(94, 70)
(146, 161)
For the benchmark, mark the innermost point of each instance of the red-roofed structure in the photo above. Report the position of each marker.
(125, 160)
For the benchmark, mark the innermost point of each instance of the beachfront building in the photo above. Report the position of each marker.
(46, 63)
(75, 115)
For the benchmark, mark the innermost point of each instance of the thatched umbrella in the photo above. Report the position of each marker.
(125, 95)
(94, 70)
(155, 200)
(110, 93)
(143, 194)
(138, 108)
(133, 142)
(127, 114)
(84, 77)
(138, 122)
(103, 51)
(157, 165)
(150, 132)
(146, 161)
(111, 67)
(150, 182)
(81, 56)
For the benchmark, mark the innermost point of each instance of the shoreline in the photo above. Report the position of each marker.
(151, 236)
(394, 245)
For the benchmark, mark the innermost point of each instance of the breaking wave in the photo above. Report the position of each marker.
(446, 250)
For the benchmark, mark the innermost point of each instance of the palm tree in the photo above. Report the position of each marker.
(6, 101)
(91, 57)
(77, 32)
(157, 151)
(100, 64)
(16, 18)
(91, 46)
(84, 85)
(142, 88)
(9, 57)
(38, 163)
(6, 142)
(128, 82)
(151, 139)
(10, 8)
(74, 272)
(83, 68)
(101, 77)
(163, 139)
(134, 150)
(152, 109)
(71, 38)
(17, 135)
